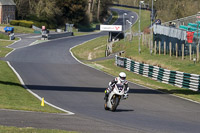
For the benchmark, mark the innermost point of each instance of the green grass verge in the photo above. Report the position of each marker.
(131, 51)
(4, 129)
(76, 33)
(6, 37)
(3, 36)
(19, 29)
(94, 49)
(12, 94)
(114, 17)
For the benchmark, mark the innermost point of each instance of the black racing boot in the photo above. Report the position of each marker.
(106, 95)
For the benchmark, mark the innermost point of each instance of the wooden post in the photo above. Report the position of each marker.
(176, 50)
(170, 49)
(190, 52)
(197, 53)
(155, 51)
(182, 51)
(159, 47)
(149, 44)
(164, 48)
(143, 39)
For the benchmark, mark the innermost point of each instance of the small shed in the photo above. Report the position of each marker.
(7, 11)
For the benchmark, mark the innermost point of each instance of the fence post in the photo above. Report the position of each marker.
(159, 47)
(143, 39)
(176, 50)
(155, 50)
(182, 51)
(149, 44)
(170, 49)
(190, 52)
(197, 53)
(164, 48)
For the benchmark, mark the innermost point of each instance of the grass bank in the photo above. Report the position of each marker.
(4, 129)
(131, 51)
(3, 36)
(19, 29)
(12, 94)
(94, 49)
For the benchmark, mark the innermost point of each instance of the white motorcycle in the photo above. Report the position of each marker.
(114, 98)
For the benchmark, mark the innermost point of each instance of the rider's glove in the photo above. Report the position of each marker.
(125, 96)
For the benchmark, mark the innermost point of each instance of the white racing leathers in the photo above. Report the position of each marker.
(120, 82)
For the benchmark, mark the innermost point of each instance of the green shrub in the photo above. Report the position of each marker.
(14, 22)
(46, 24)
(22, 23)
(40, 24)
(25, 23)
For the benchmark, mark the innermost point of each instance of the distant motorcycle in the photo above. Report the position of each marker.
(114, 97)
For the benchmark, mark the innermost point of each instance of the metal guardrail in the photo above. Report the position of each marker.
(59, 35)
(176, 78)
(181, 21)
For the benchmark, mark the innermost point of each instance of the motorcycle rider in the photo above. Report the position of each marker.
(118, 80)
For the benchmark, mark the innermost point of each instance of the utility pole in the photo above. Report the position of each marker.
(152, 17)
(198, 19)
(124, 24)
(141, 2)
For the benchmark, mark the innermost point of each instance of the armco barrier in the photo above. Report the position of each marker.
(179, 79)
(59, 35)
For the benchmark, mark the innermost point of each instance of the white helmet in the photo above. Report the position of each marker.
(122, 76)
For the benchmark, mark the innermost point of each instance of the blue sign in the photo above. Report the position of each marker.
(9, 29)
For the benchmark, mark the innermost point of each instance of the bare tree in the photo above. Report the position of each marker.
(98, 9)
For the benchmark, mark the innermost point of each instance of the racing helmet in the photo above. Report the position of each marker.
(122, 76)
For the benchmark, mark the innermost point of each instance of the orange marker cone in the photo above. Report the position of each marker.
(42, 103)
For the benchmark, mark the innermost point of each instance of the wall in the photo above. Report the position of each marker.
(8, 13)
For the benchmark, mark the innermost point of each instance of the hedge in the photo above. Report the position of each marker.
(25, 23)
(22, 23)
(14, 22)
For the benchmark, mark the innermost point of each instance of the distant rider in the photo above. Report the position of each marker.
(121, 80)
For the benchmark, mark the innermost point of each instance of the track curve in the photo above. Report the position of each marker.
(50, 71)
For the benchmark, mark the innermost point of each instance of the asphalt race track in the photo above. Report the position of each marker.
(49, 70)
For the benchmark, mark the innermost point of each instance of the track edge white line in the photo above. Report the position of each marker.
(34, 94)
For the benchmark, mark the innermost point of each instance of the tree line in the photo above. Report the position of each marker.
(59, 12)
(168, 9)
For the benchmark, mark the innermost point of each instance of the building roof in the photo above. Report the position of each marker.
(7, 2)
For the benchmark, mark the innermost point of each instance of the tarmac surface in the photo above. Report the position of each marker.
(49, 70)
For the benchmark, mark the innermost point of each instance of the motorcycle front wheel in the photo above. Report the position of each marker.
(115, 102)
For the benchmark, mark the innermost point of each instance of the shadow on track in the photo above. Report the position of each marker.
(87, 89)
(101, 90)
(124, 110)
